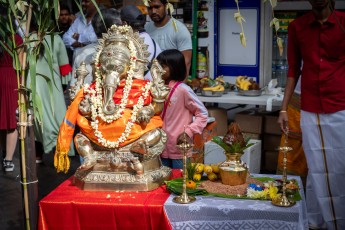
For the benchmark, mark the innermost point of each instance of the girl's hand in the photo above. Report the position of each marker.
(283, 121)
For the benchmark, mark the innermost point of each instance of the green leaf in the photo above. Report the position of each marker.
(175, 186)
(280, 46)
(218, 140)
(243, 40)
(275, 22)
(273, 3)
(238, 17)
(38, 111)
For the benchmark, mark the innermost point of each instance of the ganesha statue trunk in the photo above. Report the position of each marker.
(121, 136)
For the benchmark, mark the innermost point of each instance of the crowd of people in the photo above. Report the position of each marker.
(312, 113)
(74, 43)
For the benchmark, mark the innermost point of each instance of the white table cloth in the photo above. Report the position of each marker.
(234, 98)
(209, 212)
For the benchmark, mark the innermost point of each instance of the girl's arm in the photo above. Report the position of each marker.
(199, 111)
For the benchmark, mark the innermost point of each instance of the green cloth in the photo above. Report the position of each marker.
(53, 102)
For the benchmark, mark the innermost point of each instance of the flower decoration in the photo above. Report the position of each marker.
(269, 191)
(96, 97)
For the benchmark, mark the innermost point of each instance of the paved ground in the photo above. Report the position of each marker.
(11, 201)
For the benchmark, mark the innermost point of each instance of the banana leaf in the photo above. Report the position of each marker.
(175, 186)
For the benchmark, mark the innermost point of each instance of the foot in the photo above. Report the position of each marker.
(39, 160)
(8, 165)
(87, 164)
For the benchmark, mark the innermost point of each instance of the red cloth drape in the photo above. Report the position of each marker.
(68, 207)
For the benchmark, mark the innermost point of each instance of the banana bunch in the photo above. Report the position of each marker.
(210, 170)
(243, 83)
(207, 82)
(220, 79)
(214, 88)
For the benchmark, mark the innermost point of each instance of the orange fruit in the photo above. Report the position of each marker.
(191, 184)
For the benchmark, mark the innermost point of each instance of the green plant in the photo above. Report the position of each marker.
(235, 147)
(233, 141)
(21, 12)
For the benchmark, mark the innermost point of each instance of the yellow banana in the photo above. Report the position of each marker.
(219, 88)
(214, 88)
(239, 79)
(199, 168)
(197, 177)
(220, 79)
(215, 168)
(212, 176)
(245, 85)
(205, 79)
(207, 169)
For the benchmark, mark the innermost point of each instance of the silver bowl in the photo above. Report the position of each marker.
(209, 93)
(250, 93)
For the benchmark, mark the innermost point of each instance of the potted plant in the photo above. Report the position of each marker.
(232, 170)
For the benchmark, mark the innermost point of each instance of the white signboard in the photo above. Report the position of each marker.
(230, 50)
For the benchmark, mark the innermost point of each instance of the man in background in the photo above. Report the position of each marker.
(110, 16)
(168, 32)
(81, 32)
(133, 17)
(66, 19)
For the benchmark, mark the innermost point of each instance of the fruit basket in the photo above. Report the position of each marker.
(250, 93)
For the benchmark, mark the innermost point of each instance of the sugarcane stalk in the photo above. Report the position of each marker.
(23, 107)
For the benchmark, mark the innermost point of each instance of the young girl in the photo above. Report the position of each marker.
(180, 106)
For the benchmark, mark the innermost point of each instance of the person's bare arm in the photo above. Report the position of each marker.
(188, 59)
(283, 117)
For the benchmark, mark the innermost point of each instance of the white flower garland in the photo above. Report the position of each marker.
(96, 96)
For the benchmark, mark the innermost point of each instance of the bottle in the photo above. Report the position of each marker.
(281, 72)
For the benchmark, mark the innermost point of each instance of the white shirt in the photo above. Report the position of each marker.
(86, 33)
(168, 38)
(84, 54)
(151, 49)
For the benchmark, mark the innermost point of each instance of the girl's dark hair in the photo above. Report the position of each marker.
(175, 61)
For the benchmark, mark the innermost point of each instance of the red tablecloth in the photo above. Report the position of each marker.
(68, 207)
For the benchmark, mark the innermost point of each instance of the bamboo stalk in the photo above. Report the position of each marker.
(23, 125)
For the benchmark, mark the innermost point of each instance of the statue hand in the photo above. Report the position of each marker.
(145, 114)
(159, 91)
(85, 106)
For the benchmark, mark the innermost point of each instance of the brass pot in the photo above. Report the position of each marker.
(232, 170)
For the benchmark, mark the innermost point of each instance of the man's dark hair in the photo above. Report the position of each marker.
(111, 16)
(164, 1)
(133, 17)
(65, 7)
